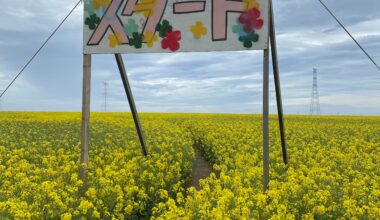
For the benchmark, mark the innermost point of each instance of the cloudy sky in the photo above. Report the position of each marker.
(196, 82)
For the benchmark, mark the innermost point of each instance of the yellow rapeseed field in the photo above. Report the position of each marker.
(334, 170)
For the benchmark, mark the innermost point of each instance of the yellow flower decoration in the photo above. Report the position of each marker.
(114, 40)
(251, 4)
(100, 3)
(198, 30)
(150, 38)
(146, 7)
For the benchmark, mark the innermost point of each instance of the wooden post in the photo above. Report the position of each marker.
(277, 82)
(131, 101)
(266, 121)
(83, 175)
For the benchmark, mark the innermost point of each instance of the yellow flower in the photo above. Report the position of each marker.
(91, 192)
(128, 210)
(334, 175)
(198, 30)
(96, 214)
(150, 38)
(320, 210)
(114, 40)
(251, 4)
(163, 194)
(66, 216)
(84, 206)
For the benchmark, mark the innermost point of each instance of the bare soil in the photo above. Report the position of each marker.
(201, 169)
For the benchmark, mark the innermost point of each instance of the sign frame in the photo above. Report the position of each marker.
(85, 131)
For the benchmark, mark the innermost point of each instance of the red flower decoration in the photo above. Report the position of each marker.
(171, 40)
(250, 20)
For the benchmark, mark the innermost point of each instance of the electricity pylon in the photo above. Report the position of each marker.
(315, 108)
(105, 93)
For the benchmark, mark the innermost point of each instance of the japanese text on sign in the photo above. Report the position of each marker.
(131, 26)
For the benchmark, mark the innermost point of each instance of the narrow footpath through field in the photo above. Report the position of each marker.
(201, 169)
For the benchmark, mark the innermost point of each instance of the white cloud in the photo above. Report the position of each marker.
(303, 40)
(297, 101)
(365, 101)
(37, 15)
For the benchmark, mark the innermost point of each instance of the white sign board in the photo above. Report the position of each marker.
(159, 26)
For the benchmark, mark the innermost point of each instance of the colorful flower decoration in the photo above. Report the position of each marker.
(248, 22)
(100, 3)
(131, 27)
(198, 30)
(239, 30)
(249, 39)
(163, 28)
(92, 21)
(150, 38)
(251, 20)
(114, 40)
(251, 4)
(171, 41)
(89, 9)
(136, 40)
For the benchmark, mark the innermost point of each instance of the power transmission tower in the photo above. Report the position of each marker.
(315, 108)
(105, 93)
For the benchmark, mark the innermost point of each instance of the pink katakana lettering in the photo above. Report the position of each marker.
(156, 9)
(189, 7)
(110, 20)
(220, 10)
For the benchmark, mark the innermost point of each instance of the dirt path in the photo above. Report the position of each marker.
(201, 169)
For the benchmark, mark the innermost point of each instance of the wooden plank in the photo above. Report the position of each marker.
(85, 132)
(131, 101)
(272, 34)
(266, 121)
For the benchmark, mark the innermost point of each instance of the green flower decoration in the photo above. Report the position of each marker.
(136, 41)
(92, 21)
(163, 28)
(89, 9)
(131, 27)
(249, 39)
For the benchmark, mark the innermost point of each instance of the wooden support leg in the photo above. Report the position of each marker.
(83, 175)
(277, 84)
(266, 121)
(128, 91)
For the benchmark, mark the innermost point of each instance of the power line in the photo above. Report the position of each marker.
(38, 51)
(352, 37)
